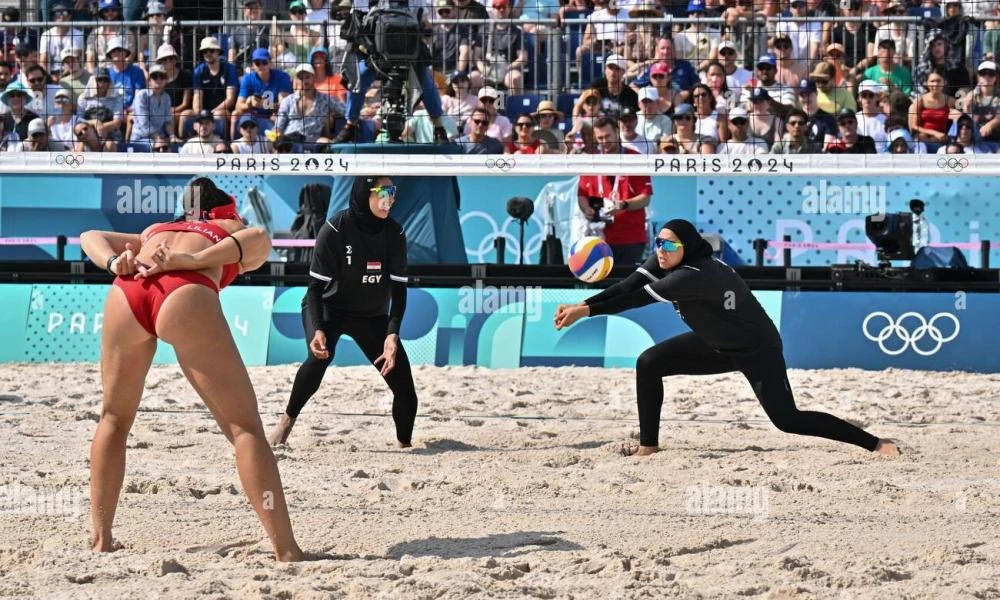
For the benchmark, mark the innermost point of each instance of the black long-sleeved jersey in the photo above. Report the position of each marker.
(711, 298)
(355, 273)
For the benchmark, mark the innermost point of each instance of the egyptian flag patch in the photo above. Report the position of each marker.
(374, 266)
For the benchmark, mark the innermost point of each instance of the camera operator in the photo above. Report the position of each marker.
(366, 57)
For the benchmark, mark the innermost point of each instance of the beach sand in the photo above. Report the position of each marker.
(515, 488)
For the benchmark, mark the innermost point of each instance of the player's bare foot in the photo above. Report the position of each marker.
(404, 444)
(636, 450)
(887, 448)
(294, 555)
(102, 543)
(281, 431)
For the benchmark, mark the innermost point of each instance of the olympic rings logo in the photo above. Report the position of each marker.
(504, 164)
(70, 160)
(955, 164)
(910, 338)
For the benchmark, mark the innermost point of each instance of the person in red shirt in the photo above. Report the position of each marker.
(625, 198)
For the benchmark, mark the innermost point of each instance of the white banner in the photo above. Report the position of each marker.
(508, 164)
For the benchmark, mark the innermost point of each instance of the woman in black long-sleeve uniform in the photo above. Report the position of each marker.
(730, 332)
(357, 287)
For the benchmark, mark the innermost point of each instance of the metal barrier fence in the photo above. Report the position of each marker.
(557, 56)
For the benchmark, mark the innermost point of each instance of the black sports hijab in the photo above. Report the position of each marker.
(695, 246)
(360, 209)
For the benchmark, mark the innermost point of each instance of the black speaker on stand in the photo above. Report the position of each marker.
(521, 208)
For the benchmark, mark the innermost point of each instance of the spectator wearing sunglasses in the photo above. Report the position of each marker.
(261, 92)
(43, 100)
(152, 114)
(63, 35)
(477, 141)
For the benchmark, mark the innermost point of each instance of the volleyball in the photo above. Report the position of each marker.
(590, 259)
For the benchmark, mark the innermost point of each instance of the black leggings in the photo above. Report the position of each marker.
(688, 354)
(369, 333)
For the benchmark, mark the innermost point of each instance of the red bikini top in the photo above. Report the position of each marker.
(211, 231)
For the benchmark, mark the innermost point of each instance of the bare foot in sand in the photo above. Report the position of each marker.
(630, 450)
(294, 555)
(887, 448)
(100, 543)
(404, 444)
(281, 431)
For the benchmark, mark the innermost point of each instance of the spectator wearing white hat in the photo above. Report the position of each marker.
(500, 126)
(126, 78)
(151, 114)
(111, 29)
(38, 138)
(73, 76)
(179, 84)
(205, 141)
(307, 117)
(215, 86)
(615, 95)
(652, 123)
(741, 141)
(62, 123)
(983, 103)
(62, 35)
(871, 120)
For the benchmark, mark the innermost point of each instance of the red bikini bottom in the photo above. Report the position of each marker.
(146, 296)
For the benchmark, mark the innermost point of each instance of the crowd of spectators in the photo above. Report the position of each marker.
(732, 77)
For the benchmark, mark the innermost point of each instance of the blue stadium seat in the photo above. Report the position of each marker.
(521, 104)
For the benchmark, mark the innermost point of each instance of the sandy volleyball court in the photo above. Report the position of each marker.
(515, 489)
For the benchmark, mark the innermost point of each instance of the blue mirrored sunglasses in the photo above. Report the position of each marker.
(668, 245)
(385, 190)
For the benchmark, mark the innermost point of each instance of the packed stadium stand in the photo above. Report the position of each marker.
(513, 76)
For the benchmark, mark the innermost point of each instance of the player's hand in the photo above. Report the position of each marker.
(571, 315)
(318, 346)
(126, 263)
(388, 358)
(166, 259)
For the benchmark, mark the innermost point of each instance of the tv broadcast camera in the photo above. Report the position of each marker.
(390, 38)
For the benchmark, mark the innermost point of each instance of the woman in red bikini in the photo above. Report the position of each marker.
(167, 286)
